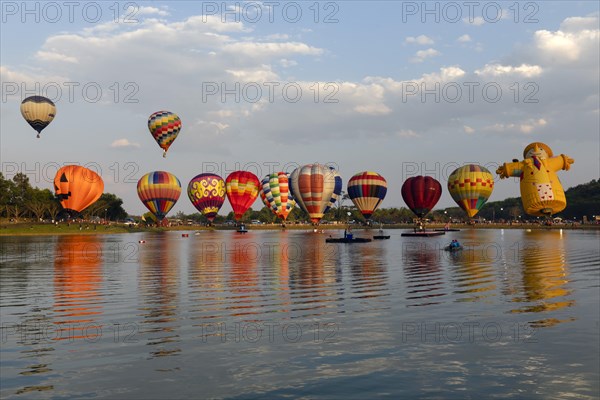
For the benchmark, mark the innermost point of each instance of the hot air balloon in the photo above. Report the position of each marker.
(470, 186)
(159, 191)
(276, 195)
(164, 127)
(315, 188)
(77, 187)
(541, 191)
(421, 194)
(207, 194)
(242, 190)
(38, 111)
(367, 190)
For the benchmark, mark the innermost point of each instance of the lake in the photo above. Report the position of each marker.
(280, 314)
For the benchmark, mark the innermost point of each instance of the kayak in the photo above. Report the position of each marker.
(448, 248)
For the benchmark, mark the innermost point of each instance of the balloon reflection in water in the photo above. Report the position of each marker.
(77, 287)
(159, 288)
(544, 276)
(473, 275)
(424, 274)
(369, 274)
(243, 276)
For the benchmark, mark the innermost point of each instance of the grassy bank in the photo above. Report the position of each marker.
(35, 229)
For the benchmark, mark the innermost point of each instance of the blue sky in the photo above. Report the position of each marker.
(373, 58)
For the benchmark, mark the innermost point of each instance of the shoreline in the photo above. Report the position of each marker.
(28, 229)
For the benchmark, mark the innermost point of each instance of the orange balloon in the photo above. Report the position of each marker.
(77, 187)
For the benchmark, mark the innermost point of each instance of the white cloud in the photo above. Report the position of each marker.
(468, 130)
(477, 21)
(144, 10)
(407, 133)
(373, 109)
(421, 40)
(421, 55)
(464, 38)
(496, 70)
(277, 36)
(285, 63)
(565, 46)
(123, 143)
(525, 127)
(55, 57)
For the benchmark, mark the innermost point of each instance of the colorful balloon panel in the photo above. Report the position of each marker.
(38, 111)
(421, 194)
(315, 188)
(164, 127)
(470, 186)
(159, 191)
(242, 190)
(77, 187)
(367, 190)
(275, 194)
(207, 194)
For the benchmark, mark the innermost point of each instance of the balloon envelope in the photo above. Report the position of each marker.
(367, 190)
(242, 190)
(421, 194)
(38, 111)
(77, 187)
(207, 194)
(315, 188)
(470, 186)
(164, 127)
(159, 191)
(276, 195)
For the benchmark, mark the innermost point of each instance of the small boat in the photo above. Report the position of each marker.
(185, 235)
(447, 230)
(242, 229)
(381, 236)
(347, 240)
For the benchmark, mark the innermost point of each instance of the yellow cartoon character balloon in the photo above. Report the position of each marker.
(541, 191)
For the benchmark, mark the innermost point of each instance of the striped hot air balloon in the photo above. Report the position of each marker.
(164, 127)
(276, 195)
(315, 188)
(367, 190)
(77, 187)
(207, 194)
(38, 111)
(421, 194)
(242, 190)
(159, 191)
(470, 186)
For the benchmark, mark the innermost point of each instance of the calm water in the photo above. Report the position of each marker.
(282, 314)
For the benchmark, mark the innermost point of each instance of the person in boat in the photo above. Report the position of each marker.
(454, 244)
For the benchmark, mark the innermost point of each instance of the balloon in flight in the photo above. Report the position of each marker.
(242, 190)
(276, 195)
(207, 194)
(164, 127)
(470, 186)
(38, 111)
(541, 191)
(315, 188)
(421, 194)
(77, 187)
(159, 191)
(367, 190)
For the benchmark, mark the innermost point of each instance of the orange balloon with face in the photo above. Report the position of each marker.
(77, 187)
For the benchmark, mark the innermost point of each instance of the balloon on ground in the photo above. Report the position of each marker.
(164, 127)
(38, 111)
(207, 194)
(541, 192)
(421, 194)
(77, 187)
(367, 190)
(159, 191)
(242, 190)
(470, 186)
(275, 194)
(315, 188)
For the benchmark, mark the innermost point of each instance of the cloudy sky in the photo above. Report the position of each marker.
(400, 88)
